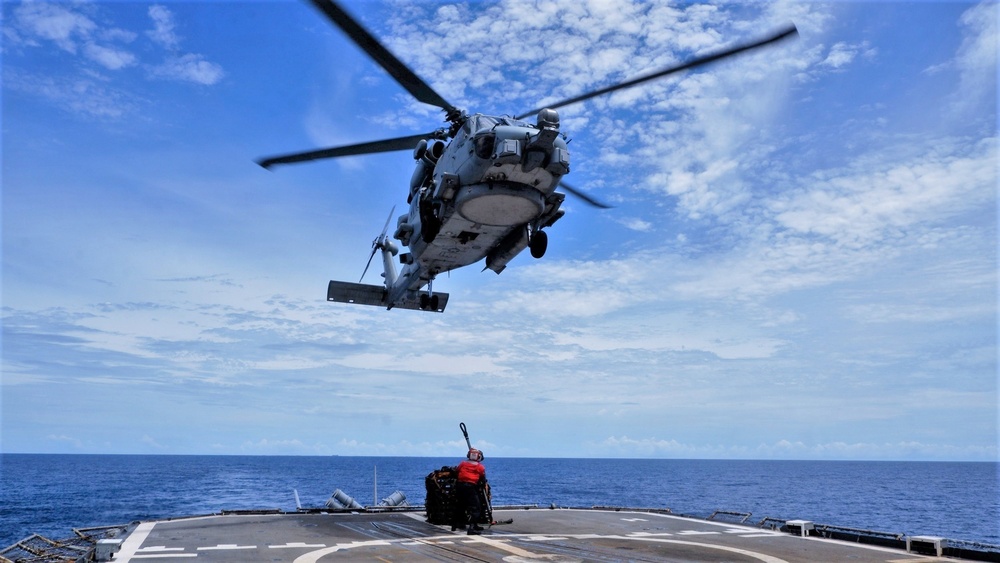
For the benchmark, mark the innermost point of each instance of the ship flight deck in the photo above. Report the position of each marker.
(554, 535)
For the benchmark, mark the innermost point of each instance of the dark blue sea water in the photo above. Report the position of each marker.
(51, 494)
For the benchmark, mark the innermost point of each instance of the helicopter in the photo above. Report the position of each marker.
(483, 187)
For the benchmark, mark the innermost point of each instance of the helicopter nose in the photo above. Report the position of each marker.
(548, 119)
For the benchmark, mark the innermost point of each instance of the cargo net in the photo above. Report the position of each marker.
(443, 504)
(39, 549)
(442, 497)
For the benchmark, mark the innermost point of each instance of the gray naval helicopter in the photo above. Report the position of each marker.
(484, 187)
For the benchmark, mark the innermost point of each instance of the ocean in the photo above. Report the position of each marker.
(51, 494)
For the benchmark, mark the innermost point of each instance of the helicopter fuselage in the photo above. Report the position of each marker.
(484, 194)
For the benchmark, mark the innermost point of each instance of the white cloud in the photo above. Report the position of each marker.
(74, 442)
(293, 446)
(82, 95)
(189, 68)
(637, 224)
(109, 57)
(430, 364)
(163, 27)
(861, 205)
(843, 54)
(977, 57)
(83, 31)
(56, 23)
(624, 446)
(73, 32)
(149, 441)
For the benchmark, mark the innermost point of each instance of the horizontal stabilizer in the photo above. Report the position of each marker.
(364, 294)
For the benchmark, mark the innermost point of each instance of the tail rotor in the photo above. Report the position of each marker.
(379, 243)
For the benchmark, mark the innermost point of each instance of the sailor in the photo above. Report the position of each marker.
(471, 490)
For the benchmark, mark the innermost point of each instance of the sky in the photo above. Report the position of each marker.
(801, 260)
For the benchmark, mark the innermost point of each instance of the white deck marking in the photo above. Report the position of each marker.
(761, 556)
(314, 556)
(295, 544)
(696, 533)
(133, 541)
(160, 556)
(225, 546)
(153, 548)
(634, 520)
(501, 545)
(511, 549)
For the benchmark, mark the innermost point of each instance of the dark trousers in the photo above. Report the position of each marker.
(469, 498)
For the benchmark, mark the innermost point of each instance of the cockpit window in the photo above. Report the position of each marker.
(514, 122)
(484, 143)
(484, 122)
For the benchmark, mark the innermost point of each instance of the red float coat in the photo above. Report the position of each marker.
(471, 472)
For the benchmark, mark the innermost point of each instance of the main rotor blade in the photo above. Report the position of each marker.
(773, 38)
(395, 67)
(584, 196)
(387, 145)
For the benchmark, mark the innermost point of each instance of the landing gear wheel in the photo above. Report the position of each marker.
(538, 243)
(434, 303)
(424, 301)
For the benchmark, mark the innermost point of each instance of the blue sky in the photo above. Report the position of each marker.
(801, 262)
